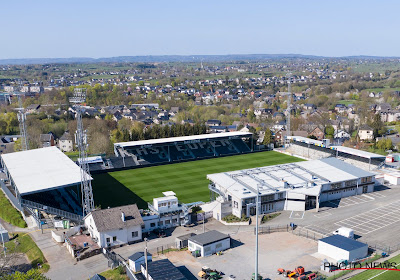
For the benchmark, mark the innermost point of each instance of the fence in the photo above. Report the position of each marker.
(384, 248)
(271, 229)
(310, 234)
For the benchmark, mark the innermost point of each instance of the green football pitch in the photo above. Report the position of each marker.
(381, 274)
(187, 179)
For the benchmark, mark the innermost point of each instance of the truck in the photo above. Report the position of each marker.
(346, 232)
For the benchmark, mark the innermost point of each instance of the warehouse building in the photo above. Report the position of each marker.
(339, 247)
(209, 243)
(295, 186)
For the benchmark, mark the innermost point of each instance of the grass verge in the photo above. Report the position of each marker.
(9, 214)
(115, 274)
(24, 244)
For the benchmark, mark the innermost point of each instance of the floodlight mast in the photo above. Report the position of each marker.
(22, 121)
(81, 142)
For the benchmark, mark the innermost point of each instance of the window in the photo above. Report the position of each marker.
(160, 223)
(235, 204)
(336, 186)
(249, 200)
(280, 195)
(218, 245)
(114, 238)
(266, 198)
(366, 179)
(152, 224)
(135, 234)
(167, 222)
(351, 183)
(108, 239)
(207, 249)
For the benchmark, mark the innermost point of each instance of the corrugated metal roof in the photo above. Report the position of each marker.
(343, 242)
(208, 237)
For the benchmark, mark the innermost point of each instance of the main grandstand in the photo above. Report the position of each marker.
(43, 180)
(176, 149)
(314, 149)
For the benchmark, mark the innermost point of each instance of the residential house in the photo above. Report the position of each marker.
(47, 140)
(365, 132)
(341, 134)
(318, 133)
(65, 142)
(33, 108)
(6, 145)
(213, 123)
(115, 226)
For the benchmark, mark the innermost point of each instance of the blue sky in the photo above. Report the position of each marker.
(100, 28)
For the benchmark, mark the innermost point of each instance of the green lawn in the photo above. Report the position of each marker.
(188, 179)
(27, 246)
(9, 214)
(347, 102)
(383, 274)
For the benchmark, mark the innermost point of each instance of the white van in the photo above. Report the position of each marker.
(346, 232)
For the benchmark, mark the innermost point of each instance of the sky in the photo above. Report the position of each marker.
(86, 28)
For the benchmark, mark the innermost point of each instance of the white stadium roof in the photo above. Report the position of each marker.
(182, 139)
(356, 152)
(343, 149)
(41, 170)
(299, 175)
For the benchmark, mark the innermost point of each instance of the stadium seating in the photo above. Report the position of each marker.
(240, 145)
(182, 151)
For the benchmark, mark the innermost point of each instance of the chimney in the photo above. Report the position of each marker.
(123, 216)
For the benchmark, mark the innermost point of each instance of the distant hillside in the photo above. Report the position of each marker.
(172, 58)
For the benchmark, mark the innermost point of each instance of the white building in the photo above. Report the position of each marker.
(209, 243)
(295, 186)
(137, 259)
(66, 142)
(165, 212)
(339, 247)
(115, 226)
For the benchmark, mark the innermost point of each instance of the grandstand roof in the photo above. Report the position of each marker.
(183, 139)
(306, 140)
(343, 149)
(357, 152)
(41, 170)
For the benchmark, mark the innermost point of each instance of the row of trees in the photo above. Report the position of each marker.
(156, 131)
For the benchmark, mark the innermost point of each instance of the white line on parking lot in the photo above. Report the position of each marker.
(374, 219)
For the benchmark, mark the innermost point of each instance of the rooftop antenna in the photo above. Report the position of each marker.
(22, 120)
(78, 98)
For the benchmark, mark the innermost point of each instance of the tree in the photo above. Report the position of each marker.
(377, 125)
(268, 139)
(329, 131)
(32, 274)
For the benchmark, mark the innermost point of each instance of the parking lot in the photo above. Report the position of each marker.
(374, 217)
(276, 250)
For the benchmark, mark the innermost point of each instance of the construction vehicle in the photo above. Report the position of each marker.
(299, 270)
(281, 270)
(209, 274)
(292, 274)
(312, 276)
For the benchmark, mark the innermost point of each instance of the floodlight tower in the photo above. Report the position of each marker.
(288, 109)
(22, 123)
(81, 142)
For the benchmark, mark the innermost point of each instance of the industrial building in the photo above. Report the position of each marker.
(209, 243)
(339, 247)
(294, 186)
